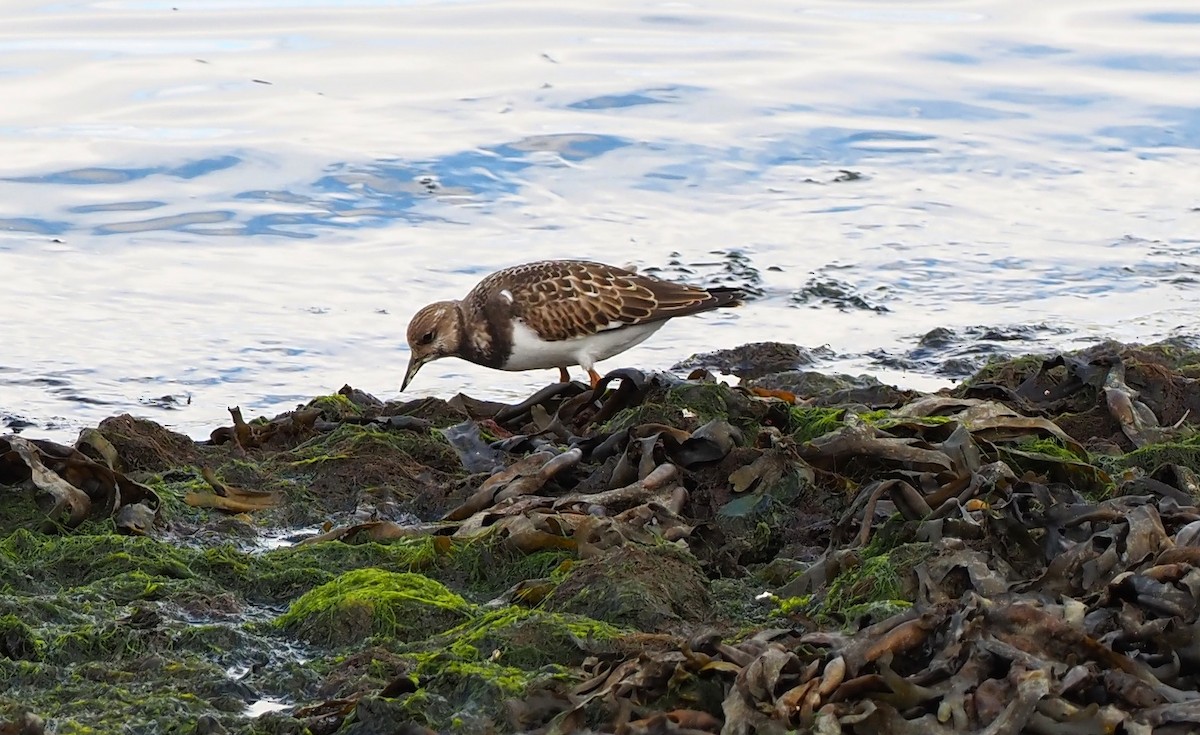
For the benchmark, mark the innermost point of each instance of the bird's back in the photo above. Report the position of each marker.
(562, 299)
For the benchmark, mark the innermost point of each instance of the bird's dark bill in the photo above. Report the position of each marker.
(414, 364)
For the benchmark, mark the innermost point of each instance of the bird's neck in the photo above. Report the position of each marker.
(478, 335)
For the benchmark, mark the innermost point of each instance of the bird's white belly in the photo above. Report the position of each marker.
(530, 352)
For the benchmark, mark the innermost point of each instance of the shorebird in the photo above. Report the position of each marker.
(554, 314)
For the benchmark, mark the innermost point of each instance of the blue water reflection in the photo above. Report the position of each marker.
(109, 176)
(188, 225)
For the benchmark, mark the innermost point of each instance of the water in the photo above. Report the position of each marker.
(241, 202)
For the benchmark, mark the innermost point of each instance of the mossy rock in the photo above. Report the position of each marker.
(335, 407)
(527, 639)
(806, 423)
(876, 587)
(648, 589)
(17, 641)
(809, 383)
(1185, 452)
(1006, 371)
(367, 602)
(143, 445)
(750, 361)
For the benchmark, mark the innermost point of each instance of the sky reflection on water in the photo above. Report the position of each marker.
(242, 202)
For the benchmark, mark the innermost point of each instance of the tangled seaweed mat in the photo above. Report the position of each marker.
(1018, 554)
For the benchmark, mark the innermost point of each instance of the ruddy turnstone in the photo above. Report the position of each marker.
(553, 314)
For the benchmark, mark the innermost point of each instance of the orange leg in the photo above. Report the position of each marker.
(563, 375)
(595, 376)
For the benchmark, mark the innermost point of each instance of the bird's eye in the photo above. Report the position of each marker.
(426, 338)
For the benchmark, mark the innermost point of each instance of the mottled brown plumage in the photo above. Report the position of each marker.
(554, 313)
(561, 299)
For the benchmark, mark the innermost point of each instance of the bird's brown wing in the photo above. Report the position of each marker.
(564, 299)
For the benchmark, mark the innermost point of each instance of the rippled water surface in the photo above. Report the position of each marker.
(216, 202)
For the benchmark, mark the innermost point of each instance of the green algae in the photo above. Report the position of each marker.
(1010, 371)
(348, 441)
(335, 406)
(523, 638)
(707, 401)
(645, 588)
(1184, 451)
(498, 655)
(17, 640)
(877, 586)
(472, 667)
(489, 564)
(806, 423)
(687, 405)
(1050, 447)
(1048, 456)
(117, 625)
(109, 697)
(366, 602)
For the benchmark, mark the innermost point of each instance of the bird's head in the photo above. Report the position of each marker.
(434, 332)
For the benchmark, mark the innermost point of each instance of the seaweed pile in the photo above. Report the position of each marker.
(826, 554)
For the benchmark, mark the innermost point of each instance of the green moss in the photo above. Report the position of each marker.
(18, 509)
(99, 697)
(490, 564)
(1010, 371)
(807, 423)
(880, 584)
(335, 406)
(367, 602)
(789, 605)
(874, 417)
(1185, 451)
(1049, 457)
(96, 642)
(75, 561)
(17, 640)
(686, 406)
(1049, 447)
(526, 639)
(172, 487)
(640, 587)
(645, 413)
(876, 579)
(429, 448)
(286, 572)
(896, 531)
(707, 401)
(463, 680)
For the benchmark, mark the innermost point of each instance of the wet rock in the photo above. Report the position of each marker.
(25, 724)
(379, 716)
(368, 602)
(17, 641)
(145, 446)
(650, 589)
(13, 423)
(209, 725)
(752, 360)
(822, 389)
(812, 384)
(726, 268)
(959, 367)
(839, 294)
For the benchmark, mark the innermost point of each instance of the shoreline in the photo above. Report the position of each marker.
(800, 550)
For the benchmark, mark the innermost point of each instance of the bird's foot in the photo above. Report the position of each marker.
(595, 376)
(563, 375)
